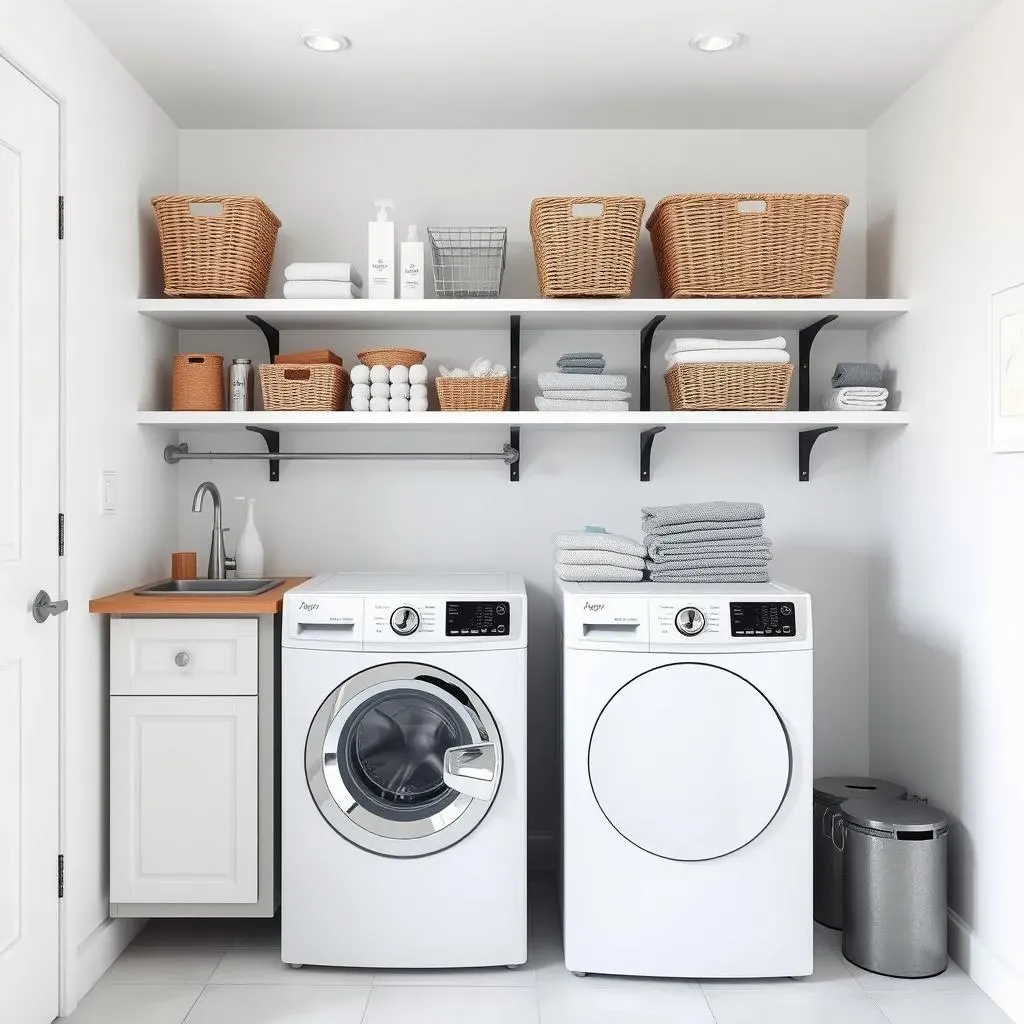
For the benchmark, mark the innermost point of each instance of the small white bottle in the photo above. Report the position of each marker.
(381, 253)
(412, 266)
(249, 552)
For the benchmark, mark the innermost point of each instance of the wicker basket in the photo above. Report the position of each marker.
(321, 387)
(197, 382)
(710, 386)
(311, 355)
(747, 246)
(223, 251)
(584, 253)
(472, 394)
(391, 357)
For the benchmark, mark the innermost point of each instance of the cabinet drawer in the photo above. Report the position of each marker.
(183, 657)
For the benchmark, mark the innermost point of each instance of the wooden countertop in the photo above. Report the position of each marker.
(127, 602)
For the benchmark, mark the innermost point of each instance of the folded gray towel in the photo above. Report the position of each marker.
(595, 356)
(588, 396)
(669, 548)
(597, 574)
(710, 576)
(857, 375)
(581, 361)
(673, 552)
(705, 513)
(591, 368)
(716, 562)
(598, 540)
(550, 381)
(578, 405)
(750, 529)
(576, 556)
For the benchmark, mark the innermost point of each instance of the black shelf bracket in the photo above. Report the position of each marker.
(646, 444)
(514, 324)
(646, 339)
(807, 441)
(807, 336)
(271, 333)
(273, 440)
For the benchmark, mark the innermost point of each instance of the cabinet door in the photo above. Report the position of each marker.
(183, 799)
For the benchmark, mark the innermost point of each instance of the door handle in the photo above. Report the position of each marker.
(43, 607)
(472, 770)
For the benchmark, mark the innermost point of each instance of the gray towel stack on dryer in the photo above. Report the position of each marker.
(716, 542)
(593, 556)
(581, 385)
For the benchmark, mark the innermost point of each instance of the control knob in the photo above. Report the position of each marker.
(405, 620)
(690, 621)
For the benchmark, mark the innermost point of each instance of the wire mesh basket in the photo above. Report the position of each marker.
(469, 263)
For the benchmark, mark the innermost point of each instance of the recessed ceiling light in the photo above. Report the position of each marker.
(325, 44)
(715, 42)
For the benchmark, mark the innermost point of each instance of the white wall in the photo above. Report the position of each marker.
(118, 150)
(443, 516)
(946, 228)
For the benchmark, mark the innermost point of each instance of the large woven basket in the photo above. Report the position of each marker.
(216, 246)
(197, 382)
(390, 357)
(322, 387)
(747, 246)
(736, 386)
(586, 245)
(472, 394)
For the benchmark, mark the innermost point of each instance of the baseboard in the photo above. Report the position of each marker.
(989, 971)
(98, 952)
(541, 851)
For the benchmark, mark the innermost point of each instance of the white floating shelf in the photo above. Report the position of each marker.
(537, 314)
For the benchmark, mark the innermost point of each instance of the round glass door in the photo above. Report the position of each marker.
(689, 762)
(403, 759)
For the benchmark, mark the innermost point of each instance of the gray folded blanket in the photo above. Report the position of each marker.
(716, 562)
(696, 532)
(710, 576)
(550, 381)
(857, 375)
(582, 356)
(659, 548)
(597, 574)
(728, 512)
(577, 556)
(590, 368)
(598, 540)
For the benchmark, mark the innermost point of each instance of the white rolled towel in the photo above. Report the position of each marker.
(418, 391)
(418, 374)
(360, 374)
(399, 405)
(362, 391)
(399, 375)
(380, 390)
(379, 374)
(417, 405)
(400, 391)
(360, 404)
(379, 405)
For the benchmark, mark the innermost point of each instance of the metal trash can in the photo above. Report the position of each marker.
(894, 886)
(829, 792)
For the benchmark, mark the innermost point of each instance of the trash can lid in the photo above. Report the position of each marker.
(834, 789)
(886, 815)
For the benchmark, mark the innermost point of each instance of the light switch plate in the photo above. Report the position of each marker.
(109, 495)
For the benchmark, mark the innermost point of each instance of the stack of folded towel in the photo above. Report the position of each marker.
(400, 389)
(711, 350)
(594, 556)
(581, 385)
(857, 387)
(322, 281)
(718, 542)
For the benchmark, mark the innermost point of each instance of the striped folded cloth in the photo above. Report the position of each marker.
(659, 548)
(576, 556)
(710, 576)
(598, 540)
(716, 562)
(750, 529)
(597, 574)
(708, 513)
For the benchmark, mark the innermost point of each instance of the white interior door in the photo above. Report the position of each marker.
(29, 496)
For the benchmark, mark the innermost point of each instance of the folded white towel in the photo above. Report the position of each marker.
(860, 399)
(731, 355)
(711, 344)
(323, 272)
(597, 574)
(399, 404)
(359, 374)
(598, 540)
(418, 391)
(320, 290)
(418, 404)
(400, 391)
(379, 405)
(399, 374)
(571, 556)
(418, 374)
(362, 391)
(560, 405)
(360, 404)
(380, 390)
(549, 381)
(589, 396)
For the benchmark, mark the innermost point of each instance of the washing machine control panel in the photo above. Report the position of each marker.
(390, 618)
(405, 620)
(676, 620)
(762, 618)
(477, 618)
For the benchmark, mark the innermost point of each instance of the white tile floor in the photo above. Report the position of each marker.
(217, 972)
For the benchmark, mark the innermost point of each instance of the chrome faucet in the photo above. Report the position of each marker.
(219, 561)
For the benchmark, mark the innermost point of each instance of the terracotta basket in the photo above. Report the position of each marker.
(197, 383)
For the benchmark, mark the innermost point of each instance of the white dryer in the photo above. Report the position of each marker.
(404, 771)
(687, 746)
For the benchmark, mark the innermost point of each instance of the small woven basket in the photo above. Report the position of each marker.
(391, 357)
(737, 386)
(197, 382)
(216, 246)
(586, 246)
(322, 387)
(472, 394)
(747, 246)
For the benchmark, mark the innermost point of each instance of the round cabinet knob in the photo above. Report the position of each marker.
(182, 658)
(690, 621)
(405, 621)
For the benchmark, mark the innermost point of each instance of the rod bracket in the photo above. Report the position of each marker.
(273, 442)
(646, 340)
(807, 336)
(174, 452)
(513, 452)
(646, 444)
(807, 442)
(270, 332)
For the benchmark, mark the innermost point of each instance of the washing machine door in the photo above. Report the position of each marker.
(403, 759)
(689, 762)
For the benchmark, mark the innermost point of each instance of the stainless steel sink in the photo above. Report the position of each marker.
(234, 586)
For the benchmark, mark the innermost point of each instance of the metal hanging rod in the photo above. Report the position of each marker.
(174, 453)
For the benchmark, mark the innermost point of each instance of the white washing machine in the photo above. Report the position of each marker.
(687, 762)
(404, 771)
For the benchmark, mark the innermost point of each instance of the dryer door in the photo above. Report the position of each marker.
(403, 759)
(689, 762)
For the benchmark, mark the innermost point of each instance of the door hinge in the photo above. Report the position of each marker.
(60, 876)
(60, 535)
(60, 218)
